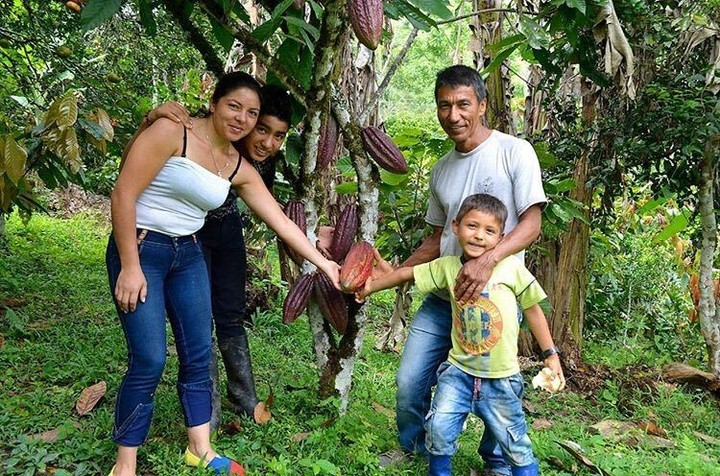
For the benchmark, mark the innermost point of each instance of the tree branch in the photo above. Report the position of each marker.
(251, 44)
(213, 62)
(480, 12)
(388, 76)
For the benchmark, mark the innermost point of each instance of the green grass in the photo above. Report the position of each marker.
(65, 336)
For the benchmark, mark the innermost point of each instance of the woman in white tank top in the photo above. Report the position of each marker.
(171, 178)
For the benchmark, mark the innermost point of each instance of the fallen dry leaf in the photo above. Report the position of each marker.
(233, 428)
(651, 428)
(707, 438)
(50, 435)
(383, 411)
(548, 380)
(541, 424)
(89, 397)
(261, 414)
(298, 437)
(13, 303)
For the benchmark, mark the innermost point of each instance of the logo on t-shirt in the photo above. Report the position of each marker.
(477, 325)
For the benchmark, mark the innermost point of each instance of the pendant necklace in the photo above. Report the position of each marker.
(212, 154)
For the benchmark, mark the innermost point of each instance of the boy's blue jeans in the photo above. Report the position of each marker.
(177, 284)
(496, 401)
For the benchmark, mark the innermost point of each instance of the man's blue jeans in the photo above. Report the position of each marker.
(177, 284)
(427, 346)
(496, 401)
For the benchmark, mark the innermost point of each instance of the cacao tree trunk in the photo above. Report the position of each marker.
(708, 310)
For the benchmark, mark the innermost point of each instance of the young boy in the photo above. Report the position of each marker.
(481, 374)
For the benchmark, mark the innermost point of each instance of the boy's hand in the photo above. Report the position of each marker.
(362, 293)
(381, 267)
(553, 363)
(172, 110)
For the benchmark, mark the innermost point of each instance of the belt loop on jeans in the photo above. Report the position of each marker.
(142, 235)
(194, 237)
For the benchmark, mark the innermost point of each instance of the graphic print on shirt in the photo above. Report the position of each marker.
(478, 325)
(485, 186)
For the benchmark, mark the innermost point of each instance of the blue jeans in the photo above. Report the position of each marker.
(496, 401)
(177, 284)
(427, 346)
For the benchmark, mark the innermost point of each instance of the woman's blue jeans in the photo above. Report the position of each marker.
(427, 347)
(177, 285)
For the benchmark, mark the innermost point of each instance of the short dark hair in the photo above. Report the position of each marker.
(275, 101)
(485, 203)
(461, 75)
(230, 82)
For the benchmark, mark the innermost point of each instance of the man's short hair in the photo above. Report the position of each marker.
(461, 75)
(275, 101)
(485, 203)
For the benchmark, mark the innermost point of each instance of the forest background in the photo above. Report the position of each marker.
(620, 100)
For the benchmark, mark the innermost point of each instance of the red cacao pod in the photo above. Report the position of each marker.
(383, 150)
(357, 267)
(327, 142)
(345, 230)
(298, 297)
(331, 303)
(366, 18)
(295, 210)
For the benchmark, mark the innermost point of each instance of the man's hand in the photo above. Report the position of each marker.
(473, 277)
(172, 110)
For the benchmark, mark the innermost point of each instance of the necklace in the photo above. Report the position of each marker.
(212, 154)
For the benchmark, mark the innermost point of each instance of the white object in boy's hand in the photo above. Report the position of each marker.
(548, 380)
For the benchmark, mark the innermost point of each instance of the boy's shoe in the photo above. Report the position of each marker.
(219, 464)
(393, 457)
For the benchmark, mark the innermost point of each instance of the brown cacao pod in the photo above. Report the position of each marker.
(327, 142)
(366, 18)
(298, 297)
(73, 6)
(295, 210)
(383, 150)
(345, 230)
(331, 303)
(357, 267)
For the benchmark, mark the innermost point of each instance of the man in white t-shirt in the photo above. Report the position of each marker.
(483, 161)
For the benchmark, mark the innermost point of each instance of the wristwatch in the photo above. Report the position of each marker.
(547, 353)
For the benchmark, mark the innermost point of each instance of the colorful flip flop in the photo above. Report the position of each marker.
(219, 464)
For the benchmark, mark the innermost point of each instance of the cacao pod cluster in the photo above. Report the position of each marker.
(366, 19)
(357, 265)
(383, 150)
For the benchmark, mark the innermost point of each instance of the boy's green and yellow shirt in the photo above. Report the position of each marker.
(484, 332)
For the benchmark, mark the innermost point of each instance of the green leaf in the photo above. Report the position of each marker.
(546, 158)
(505, 42)
(391, 178)
(535, 34)
(15, 159)
(580, 5)
(676, 225)
(96, 12)
(147, 19)
(263, 32)
(222, 35)
(498, 60)
(280, 9)
(416, 18)
(92, 128)
(346, 188)
(305, 26)
(434, 7)
(651, 205)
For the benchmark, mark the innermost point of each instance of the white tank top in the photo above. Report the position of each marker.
(177, 200)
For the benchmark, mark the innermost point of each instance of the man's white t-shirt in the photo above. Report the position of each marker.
(503, 166)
